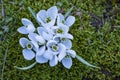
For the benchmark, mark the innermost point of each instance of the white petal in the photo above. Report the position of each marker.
(48, 55)
(67, 62)
(62, 52)
(41, 16)
(67, 35)
(28, 54)
(54, 27)
(41, 59)
(54, 61)
(41, 50)
(70, 21)
(31, 36)
(50, 30)
(52, 12)
(72, 53)
(56, 38)
(36, 46)
(40, 39)
(22, 30)
(47, 36)
(26, 21)
(50, 43)
(67, 43)
(41, 30)
(23, 42)
(60, 18)
(30, 28)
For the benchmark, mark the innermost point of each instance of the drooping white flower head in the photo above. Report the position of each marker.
(39, 55)
(55, 52)
(67, 60)
(27, 27)
(39, 42)
(47, 18)
(69, 21)
(27, 51)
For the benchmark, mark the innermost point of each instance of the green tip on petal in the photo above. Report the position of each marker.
(85, 62)
(26, 68)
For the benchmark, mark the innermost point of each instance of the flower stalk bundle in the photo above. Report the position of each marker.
(51, 41)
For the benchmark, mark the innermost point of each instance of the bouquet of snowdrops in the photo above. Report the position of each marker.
(50, 42)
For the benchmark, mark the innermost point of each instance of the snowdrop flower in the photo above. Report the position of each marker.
(55, 52)
(64, 39)
(39, 56)
(28, 53)
(67, 60)
(68, 22)
(27, 27)
(60, 29)
(39, 43)
(47, 18)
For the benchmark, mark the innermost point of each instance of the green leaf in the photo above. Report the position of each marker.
(85, 62)
(26, 68)
(33, 13)
(68, 12)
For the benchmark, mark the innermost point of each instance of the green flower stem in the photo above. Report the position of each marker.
(33, 13)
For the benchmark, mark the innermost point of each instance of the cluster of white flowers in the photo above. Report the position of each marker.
(49, 42)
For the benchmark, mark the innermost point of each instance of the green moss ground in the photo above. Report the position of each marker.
(99, 48)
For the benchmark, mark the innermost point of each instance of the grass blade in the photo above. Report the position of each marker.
(4, 60)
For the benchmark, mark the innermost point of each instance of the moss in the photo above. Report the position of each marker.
(99, 48)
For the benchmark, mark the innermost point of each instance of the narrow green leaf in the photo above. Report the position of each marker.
(33, 13)
(68, 12)
(26, 68)
(85, 62)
